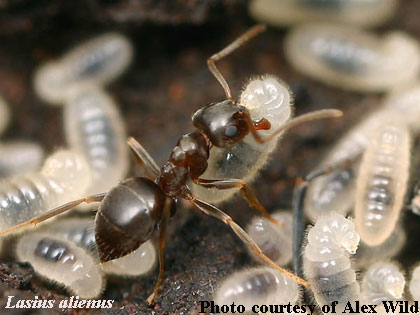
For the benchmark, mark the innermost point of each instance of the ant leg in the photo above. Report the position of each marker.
(162, 239)
(252, 32)
(245, 191)
(319, 114)
(143, 158)
(213, 211)
(52, 213)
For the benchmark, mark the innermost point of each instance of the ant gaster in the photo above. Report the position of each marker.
(130, 212)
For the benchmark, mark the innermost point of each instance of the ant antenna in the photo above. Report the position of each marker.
(251, 33)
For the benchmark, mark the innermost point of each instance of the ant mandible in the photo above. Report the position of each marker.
(130, 212)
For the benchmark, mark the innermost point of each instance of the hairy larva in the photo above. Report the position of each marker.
(266, 97)
(382, 182)
(20, 157)
(352, 59)
(275, 241)
(98, 61)
(64, 177)
(262, 286)
(62, 262)
(4, 115)
(383, 281)
(80, 231)
(94, 127)
(326, 261)
(355, 12)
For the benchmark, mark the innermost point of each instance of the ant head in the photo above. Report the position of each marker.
(224, 123)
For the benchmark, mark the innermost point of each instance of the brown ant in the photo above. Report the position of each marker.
(130, 212)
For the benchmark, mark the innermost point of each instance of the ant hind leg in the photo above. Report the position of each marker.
(143, 158)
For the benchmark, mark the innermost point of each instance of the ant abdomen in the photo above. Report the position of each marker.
(65, 176)
(20, 157)
(4, 115)
(382, 182)
(352, 59)
(265, 97)
(80, 231)
(326, 260)
(275, 241)
(94, 127)
(97, 61)
(62, 262)
(258, 286)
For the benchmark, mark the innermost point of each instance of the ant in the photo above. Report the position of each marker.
(129, 213)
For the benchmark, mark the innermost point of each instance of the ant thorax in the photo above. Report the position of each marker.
(20, 157)
(265, 97)
(94, 127)
(97, 61)
(352, 59)
(291, 12)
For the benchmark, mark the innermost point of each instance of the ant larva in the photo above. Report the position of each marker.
(63, 262)
(130, 212)
(383, 281)
(64, 176)
(94, 127)
(353, 12)
(326, 261)
(257, 286)
(352, 59)
(97, 61)
(382, 181)
(414, 285)
(275, 241)
(4, 115)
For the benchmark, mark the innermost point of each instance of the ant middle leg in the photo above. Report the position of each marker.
(245, 190)
(144, 160)
(213, 211)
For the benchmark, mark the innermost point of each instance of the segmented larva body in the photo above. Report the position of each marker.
(367, 255)
(98, 61)
(355, 12)
(62, 262)
(265, 97)
(80, 231)
(327, 265)
(4, 115)
(94, 127)
(20, 157)
(275, 241)
(383, 281)
(65, 176)
(382, 182)
(414, 285)
(352, 59)
(262, 286)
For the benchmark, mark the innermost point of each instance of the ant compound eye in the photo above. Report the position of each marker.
(231, 131)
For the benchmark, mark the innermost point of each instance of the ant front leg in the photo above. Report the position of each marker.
(213, 211)
(245, 191)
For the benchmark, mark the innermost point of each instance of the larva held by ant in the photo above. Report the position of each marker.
(20, 157)
(382, 181)
(352, 59)
(97, 61)
(326, 261)
(94, 128)
(64, 176)
(275, 241)
(353, 12)
(62, 262)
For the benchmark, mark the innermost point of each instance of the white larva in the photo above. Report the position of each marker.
(382, 182)
(98, 61)
(262, 286)
(414, 285)
(265, 97)
(65, 176)
(4, 115)
(94, 127)
(20, 157)
(275, 241)
(326, 262)
(80, 231)
(62, 262)
(353, 12)
(352, 59)
(383, 281)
